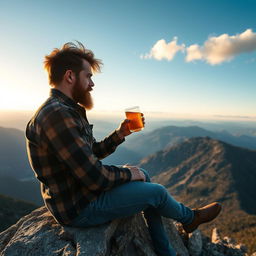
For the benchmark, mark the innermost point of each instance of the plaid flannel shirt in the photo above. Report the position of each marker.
(66, 158)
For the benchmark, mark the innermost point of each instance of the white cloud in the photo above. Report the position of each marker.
(163, 50)
(222, 48)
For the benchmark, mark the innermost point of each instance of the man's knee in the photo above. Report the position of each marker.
(157, 194)
(146, 174)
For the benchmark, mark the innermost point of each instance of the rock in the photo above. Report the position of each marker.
(216, 236)
(241, 247)
(225, 246)
(195, 243)
(229, 241)
(38, 234)
(175, 237)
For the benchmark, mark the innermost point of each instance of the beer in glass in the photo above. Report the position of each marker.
(134, 115)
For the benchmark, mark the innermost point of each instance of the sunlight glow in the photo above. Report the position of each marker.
(19, 97)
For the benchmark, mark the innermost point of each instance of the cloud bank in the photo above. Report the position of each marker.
(162, 50)
(215, 50)
(222, 48)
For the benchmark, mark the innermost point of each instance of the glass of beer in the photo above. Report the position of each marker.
(134, 115)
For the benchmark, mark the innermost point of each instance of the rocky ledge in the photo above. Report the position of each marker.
(38, 234)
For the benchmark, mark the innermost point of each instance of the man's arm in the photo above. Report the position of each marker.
(63, 136)
(106, 147)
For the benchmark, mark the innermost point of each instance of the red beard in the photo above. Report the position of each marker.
(82, 96)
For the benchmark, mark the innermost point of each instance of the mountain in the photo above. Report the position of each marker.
(162, 138)
(14, 160)
(11, 210)
(209, 168)
(203, 170)
(123, 156)
(13, 156)
(27, 190)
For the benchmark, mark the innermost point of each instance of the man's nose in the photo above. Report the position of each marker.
(91, 83)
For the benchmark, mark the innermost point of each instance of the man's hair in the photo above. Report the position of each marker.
(69, 57)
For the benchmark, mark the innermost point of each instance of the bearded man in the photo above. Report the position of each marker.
(76, 187)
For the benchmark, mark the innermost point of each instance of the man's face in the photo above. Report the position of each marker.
(83, 86)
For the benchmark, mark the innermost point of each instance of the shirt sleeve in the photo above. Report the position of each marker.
(63, 136)
(107, 146)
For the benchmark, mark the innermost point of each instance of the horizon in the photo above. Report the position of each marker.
(108, 120)
(157, 115)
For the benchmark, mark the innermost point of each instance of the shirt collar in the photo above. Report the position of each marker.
(66, 100)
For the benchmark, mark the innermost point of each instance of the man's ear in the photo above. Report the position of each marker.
(69, 76)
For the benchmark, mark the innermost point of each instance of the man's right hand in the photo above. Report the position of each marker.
(137, 174)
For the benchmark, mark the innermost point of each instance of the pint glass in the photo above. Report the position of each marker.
(134, 115)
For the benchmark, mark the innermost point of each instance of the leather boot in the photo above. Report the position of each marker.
(203, 215)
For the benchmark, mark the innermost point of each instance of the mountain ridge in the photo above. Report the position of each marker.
(202, 170)
(167, 136)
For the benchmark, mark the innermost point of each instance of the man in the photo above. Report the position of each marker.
(76, 187)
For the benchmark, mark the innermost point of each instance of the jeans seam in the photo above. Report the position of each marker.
(109, 209)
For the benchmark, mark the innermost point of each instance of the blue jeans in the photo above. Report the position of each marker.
(131, 198)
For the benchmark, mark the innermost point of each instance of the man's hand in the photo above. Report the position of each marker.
(123, 129)
(137, 174)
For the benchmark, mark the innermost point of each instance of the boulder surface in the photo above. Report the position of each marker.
(38, 234)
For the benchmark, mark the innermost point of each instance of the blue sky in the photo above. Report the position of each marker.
(119, 33)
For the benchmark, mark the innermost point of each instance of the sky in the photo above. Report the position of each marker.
(179, 58)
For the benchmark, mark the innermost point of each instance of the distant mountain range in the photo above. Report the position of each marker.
(11, 210)
(27, 190)
(13, 156)
(159, 139)
(105, 123)
(203, 170)
(123, 156)
(14, 162)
